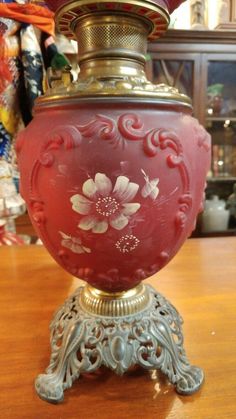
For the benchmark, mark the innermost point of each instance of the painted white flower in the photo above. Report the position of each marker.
(73, 243)
(150, 188)
(104, 206)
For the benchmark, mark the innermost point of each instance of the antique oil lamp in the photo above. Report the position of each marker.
(113, 171)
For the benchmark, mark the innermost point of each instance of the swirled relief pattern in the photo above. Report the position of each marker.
(67, 136)
(112, 205)
(103, 128)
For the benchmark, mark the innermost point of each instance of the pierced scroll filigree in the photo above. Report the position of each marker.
(82, 342)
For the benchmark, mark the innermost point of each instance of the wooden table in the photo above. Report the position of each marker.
(201, 283)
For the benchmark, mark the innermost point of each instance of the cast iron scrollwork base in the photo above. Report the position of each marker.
(82, 342)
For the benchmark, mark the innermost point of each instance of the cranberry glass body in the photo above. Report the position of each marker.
(113, 188)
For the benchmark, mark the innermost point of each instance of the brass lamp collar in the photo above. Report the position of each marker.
(112, 43)
(114, 304)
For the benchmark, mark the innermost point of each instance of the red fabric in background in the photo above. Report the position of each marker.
(38, 16)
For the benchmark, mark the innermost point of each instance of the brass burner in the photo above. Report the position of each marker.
(112, 47)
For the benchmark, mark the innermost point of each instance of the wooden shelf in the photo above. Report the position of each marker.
(222, 179)
(208, 37)
(229, 232)
(220, 118)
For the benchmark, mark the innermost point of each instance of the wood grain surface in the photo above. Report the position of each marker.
(200, 281)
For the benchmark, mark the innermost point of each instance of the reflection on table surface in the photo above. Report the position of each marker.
(199, 281)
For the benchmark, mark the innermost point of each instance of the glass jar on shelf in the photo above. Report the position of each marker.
(215, 216)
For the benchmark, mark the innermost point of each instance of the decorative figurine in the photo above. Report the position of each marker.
(215, 98)
(113, 171)
(223, 11)
(198, 14)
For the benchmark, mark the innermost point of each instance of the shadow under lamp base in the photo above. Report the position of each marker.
(136, 327)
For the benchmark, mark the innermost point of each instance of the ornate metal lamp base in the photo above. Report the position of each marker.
(82, 340)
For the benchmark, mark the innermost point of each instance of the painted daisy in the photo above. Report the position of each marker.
(104, 205)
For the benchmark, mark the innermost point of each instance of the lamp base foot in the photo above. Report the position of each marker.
(82, 342)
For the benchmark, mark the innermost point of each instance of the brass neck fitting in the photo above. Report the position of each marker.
(112, 45)
(112, 36)
(112, 40)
